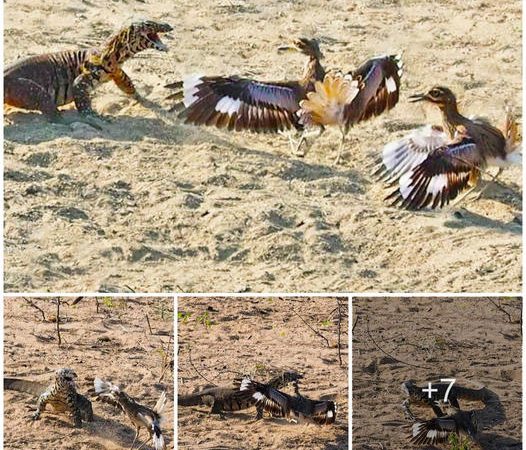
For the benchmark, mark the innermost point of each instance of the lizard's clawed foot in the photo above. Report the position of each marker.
(70, 120)
(141, 100)
(95, 120)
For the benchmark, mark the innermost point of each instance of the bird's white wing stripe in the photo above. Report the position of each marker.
(405, 184)
(258, 396)
(190, 88)
(390, 84)
(408, 152)
(437, 184)
(245, 383)
(228, 105)
(412, 161)
(416, 428)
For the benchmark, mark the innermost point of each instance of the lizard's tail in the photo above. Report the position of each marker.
(29, 387)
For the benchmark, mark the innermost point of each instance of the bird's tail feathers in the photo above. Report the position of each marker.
(326, 104)
(161, 403)
(157, 436)
(511, 131)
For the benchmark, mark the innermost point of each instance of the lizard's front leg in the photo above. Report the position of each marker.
(124, 82)
(82, 87)
(41, 405)
(74, 408)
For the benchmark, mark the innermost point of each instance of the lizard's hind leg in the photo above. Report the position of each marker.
(27, 94)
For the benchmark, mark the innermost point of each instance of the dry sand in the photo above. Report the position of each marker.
(259, 337)
(114, 343)
(473, 340)
(149, 204)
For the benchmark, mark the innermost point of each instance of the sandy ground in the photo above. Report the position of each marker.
(259, 337)
(149, 204)
(114, 343)
(472, 340)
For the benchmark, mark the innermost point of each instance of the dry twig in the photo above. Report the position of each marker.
(195, 368)
(58, 322)
(313, 329)
(501, 309)
(355, 323)
(74, 302)
(389, 355)
(149, 326)
(339, 331)
(32, 304)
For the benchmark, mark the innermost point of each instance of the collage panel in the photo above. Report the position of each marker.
(262, 146)
(437, 373)
(88, 373)
(263, 373)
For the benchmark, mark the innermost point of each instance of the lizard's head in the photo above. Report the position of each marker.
(439, 95)
(309, 47)
(65, 375)
(408, 388)
(291, 376)
(144, 34)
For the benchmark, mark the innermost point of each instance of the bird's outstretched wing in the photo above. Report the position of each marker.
(273, 401)
(439, 177)
(433, 431)
(240, 103)
(401, 156)
(324, 412)
(379, 84)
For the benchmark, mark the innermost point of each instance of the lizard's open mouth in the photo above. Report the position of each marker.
(155, 40)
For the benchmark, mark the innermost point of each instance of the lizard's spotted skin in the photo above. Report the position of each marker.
(62, 395)
(45, 82)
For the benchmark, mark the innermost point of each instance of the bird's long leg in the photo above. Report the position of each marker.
(474, 178)
(305, 135)
(407, 412)
(340, 150)
(135, 438)
(479, 194)
(463, 197)
(292, 142)
(471, 189)
(297, 151)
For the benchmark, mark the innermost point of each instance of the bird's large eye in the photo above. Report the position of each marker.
(434, 93)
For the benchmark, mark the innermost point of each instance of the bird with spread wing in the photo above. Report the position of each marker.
(433, 165)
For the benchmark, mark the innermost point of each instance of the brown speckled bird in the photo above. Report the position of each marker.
(295, 408)
(432, 165)
(317, 99)
(343, 100)
(239, 103)
(439, 429)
